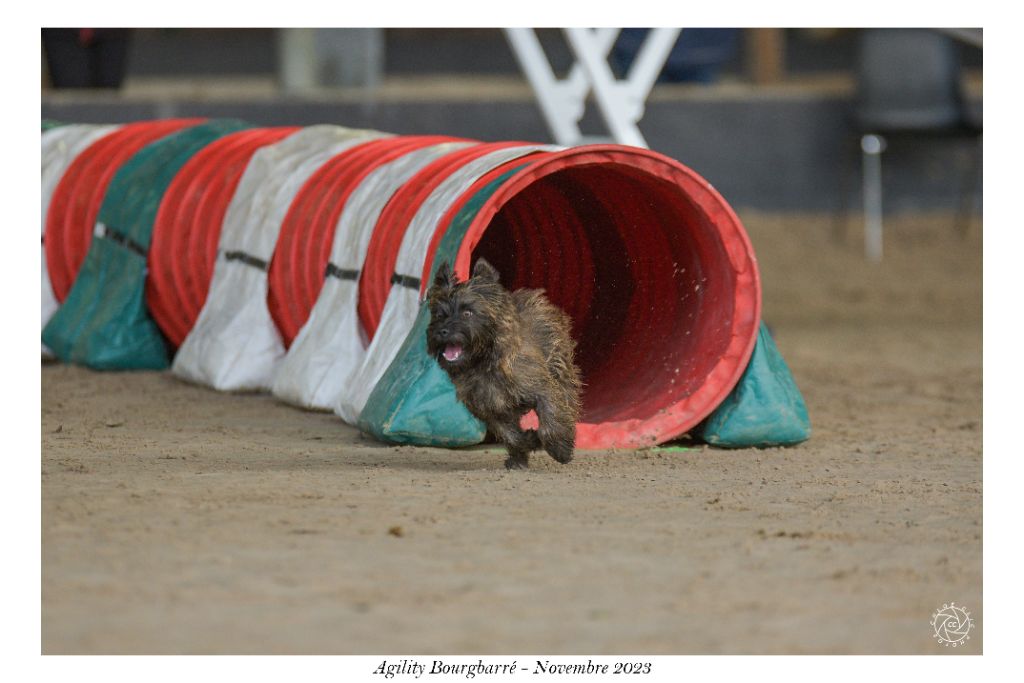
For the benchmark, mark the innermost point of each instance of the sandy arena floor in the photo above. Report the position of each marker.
(179, 520)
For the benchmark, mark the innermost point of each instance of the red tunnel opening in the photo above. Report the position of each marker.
(655, 271)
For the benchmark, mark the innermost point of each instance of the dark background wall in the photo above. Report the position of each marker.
(782, 147)
(437, 50)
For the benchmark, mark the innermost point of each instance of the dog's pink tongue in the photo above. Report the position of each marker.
(452, 352)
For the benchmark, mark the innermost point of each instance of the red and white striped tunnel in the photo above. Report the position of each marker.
(650, 262)
(187, 228)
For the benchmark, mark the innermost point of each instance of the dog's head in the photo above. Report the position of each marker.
(465, 317)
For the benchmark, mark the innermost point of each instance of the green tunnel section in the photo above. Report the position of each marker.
(104, 323)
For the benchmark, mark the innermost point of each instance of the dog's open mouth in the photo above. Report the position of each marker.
(452, 352)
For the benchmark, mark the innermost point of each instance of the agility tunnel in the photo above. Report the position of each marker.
(103, 322)
(295, 260)
(78, 163)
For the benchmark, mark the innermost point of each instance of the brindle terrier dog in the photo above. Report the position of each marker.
(507, 353)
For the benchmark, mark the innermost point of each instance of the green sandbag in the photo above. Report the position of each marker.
(104, 323)
(764, 409)
(414, 402)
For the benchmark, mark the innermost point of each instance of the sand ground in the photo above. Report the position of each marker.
(180, 520)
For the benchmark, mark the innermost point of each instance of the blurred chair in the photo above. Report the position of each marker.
(908, 86)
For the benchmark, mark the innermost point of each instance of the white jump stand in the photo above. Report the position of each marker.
(621, 102)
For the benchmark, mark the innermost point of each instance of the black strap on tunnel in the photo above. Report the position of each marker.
(405, 281)
(341, 273)
(121, 239)
(247, 259)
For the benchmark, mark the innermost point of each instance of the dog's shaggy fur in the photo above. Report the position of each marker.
(507, 354)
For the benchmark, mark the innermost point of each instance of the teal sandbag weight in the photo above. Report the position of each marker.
(95, 326)
(764, 409)
(414, 402)
(104, 323)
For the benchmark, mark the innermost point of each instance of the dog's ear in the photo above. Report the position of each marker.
(443, 277)
(485, 271)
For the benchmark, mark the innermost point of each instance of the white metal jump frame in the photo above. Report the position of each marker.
(620, 102)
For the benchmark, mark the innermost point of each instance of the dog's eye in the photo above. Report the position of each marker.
(467, 313)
